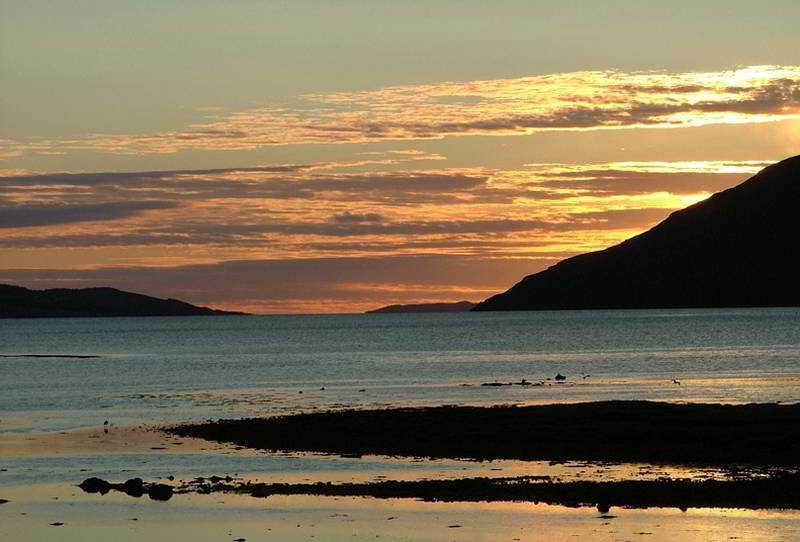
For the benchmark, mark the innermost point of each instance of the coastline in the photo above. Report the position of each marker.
(570, 498)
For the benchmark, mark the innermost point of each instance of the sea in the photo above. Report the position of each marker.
(65, 373)
(69, 388)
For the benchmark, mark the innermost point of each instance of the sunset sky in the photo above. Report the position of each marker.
(337, 156)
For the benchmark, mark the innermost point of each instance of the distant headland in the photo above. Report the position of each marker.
(460, 306)
(19, 302)
(738, 248)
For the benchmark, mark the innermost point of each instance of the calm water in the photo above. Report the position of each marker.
(155, 370)
(166, 369)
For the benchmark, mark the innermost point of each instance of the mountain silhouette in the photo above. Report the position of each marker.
(19, 302)
(738, 248)
(459, 306)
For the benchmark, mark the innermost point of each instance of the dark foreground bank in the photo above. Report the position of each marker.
(618, 431)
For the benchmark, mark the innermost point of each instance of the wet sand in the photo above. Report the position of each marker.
(135, 451)
(100, 440)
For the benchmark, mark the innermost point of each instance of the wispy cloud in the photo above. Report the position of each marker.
(319, 237)
(307, 210)
(566, 101)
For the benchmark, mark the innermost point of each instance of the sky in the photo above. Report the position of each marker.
(327, 157)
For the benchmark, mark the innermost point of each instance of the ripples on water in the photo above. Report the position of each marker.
(167, 369)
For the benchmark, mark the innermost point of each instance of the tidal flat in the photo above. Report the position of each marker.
(435, 477)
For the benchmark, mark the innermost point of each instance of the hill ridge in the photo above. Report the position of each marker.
(20, 302)
(738, 247)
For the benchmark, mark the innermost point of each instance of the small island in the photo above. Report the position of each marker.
(459, 306)
(20, 302)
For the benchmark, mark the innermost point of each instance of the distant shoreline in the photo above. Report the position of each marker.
(458, 306)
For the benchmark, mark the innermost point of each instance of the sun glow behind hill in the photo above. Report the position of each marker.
(473, 229)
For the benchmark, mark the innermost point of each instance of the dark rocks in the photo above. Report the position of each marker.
(522, 382)
(134, 487)
(160, 492)
(262, 492)
(757, 492)
(560, 377)
(95, 485)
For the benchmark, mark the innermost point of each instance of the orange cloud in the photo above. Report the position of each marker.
(291, 211)
(567, 101)
(310, 237)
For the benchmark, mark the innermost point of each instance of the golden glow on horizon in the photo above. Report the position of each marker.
(492, 226)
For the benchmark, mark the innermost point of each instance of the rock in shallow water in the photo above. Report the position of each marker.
(159, 492)
(133, 487)
(95, 485)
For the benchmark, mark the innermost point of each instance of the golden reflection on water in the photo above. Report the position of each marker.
(218, 517)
